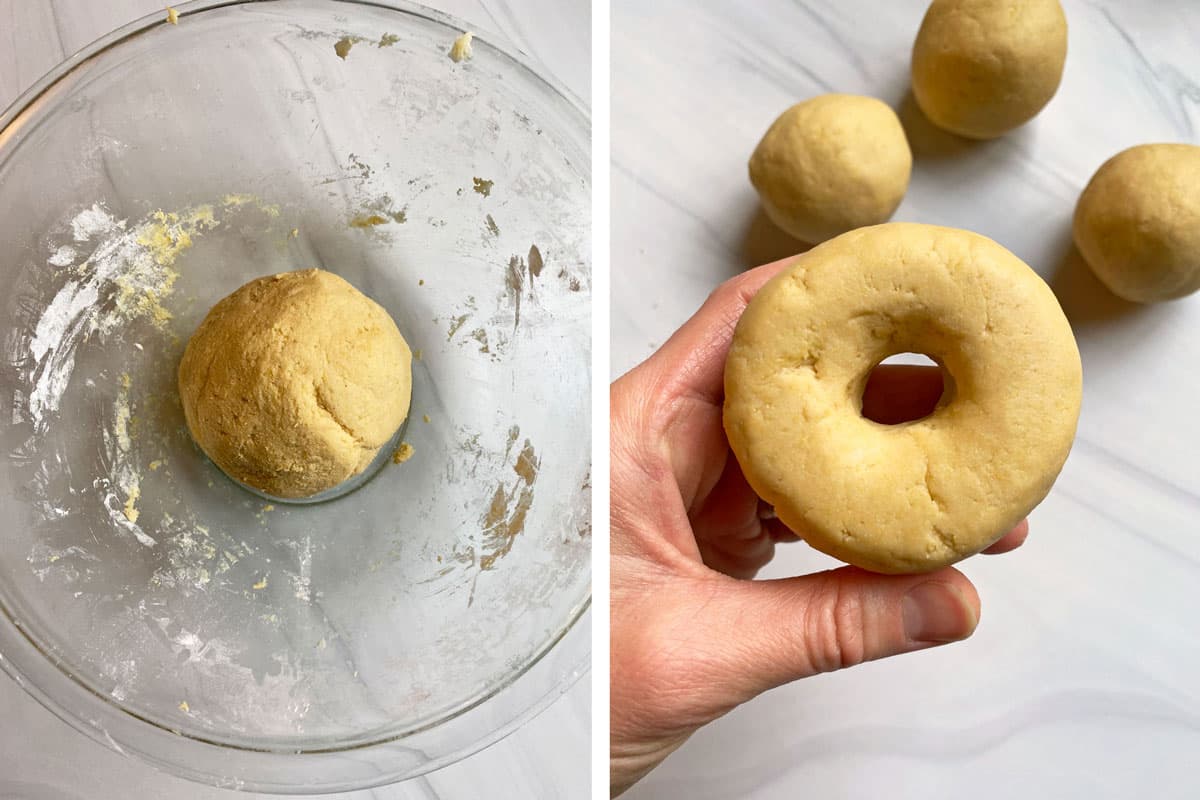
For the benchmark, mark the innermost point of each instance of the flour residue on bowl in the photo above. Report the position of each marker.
(517, 300)
(514, 283)
(482, 186)
(376, 211)
(504, 519)
(109, 284)
(115, 275)
(505, 507)
(127, 275)
(520, 278)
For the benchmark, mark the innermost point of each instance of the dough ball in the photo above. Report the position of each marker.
(982, 67)
(1137, 223)
(294, 382)
(832, 164)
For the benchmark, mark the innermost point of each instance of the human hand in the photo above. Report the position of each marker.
(692, 637)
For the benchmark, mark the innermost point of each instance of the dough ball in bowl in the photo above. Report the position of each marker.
(831, 164)
(293, 383)
(982, 67)
(1137, 224)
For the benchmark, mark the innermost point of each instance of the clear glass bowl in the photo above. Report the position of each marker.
(163, 609)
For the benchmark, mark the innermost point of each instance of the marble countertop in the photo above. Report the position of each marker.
(1080, 681)
(40, 756)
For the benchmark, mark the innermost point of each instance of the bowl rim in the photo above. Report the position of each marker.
(16, 636)
(142, 24)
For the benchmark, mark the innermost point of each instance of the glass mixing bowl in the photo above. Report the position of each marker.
(152, 602)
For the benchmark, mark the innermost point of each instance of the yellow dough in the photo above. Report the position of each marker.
(982, 67)
(831, 164)
(1137, 223)
(919, 495)
(293, 383)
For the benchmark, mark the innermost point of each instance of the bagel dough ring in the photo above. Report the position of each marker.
(830, 164)
(295, 382)
(1137, 224)
(919, 495)
(981, 68)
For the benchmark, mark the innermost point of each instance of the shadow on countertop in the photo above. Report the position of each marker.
(1085, 300)
(764, 241)
(930, 143)
(928, 140)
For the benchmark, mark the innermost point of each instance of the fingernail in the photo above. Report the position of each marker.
(937, 612)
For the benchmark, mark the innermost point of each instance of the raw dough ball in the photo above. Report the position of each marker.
(294, 382)
(1137, 223)
(919, 495)
(832, 164)
(982, 67)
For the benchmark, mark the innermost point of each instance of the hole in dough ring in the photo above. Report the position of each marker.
(920, 495)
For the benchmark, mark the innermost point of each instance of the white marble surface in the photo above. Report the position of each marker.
(43, 758)
(1081, 680)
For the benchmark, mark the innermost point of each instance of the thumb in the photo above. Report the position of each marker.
(783, 630)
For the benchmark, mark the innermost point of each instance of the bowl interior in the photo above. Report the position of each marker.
(158, 175)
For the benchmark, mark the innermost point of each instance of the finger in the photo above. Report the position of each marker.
(774, 526)
(740, 559)
(730, 509)
(674, 397)
(728, 532)
(1011, 540)
(744, 557)
(780, 533)
(693, 359)
(731, 533)
(898, 393)
(782, 630)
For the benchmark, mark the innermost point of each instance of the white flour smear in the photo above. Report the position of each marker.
(103, 434)
(125, 276)
(115, 274)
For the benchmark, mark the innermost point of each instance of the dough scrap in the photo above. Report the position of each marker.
(461, 49)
